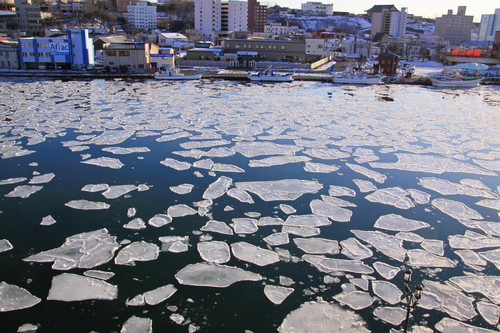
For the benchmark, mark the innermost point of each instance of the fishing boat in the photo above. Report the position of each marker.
(357, 78)
(270, 76)
(175, 74)
(454, 78)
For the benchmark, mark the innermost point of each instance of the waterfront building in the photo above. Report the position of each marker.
(490, 24)
(129, 56)
(165, 58)
(389, 20)
(455, 28)
(315, 47)
(317, 8)
(388, 63)
(74, 51)
(268, 50)
(142, 16)
(257, 16)
(29, 17)
(8, 55)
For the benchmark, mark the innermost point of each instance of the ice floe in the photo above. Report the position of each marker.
(387, 244)
(215, 251)
(69, 287)
(456, 209)
(42, 179)
(280, 190)
(433, 246)
(277, 239)
(218, 227)
(105, 162)
(14, 298)
(394, 196)
(277, 294)
(287, 209)
(254, 149)
(331, 211)
(155, 296)
(23, 191)
(385, 270)
(322, 317)
(452, 325)
(353, 249)
(175, 164)
(396, 222)
(486, 285)
(85, 250)
(391, 315)
(135, 224)
(328, 265)
(175, 244)
(95, 188)
(5, 245)
(180, 210)
(472, 241)
(240, 195)
(137, 251)
(117, 191)
(48, 220)
(419, 197)
(492, 256)
(277, 160)
(446, 187)
(10, 181)
(87, 205)
(213, 275)
(489, 312)
(126, 151)
(356, 300)
(387, 291)
(28, 328)
(320, 167)
(159, 220)
(470, 257)
(490, 228)
(137, 325)
(218, 188)
(182, 189)
(409, 237)
(96, 274)
(244, 225)
(422, 258)
(340, 191)
(376, 176)
(254, 254)
(364, 186)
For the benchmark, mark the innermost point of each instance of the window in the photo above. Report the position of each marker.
(110, 53)
(124, 53)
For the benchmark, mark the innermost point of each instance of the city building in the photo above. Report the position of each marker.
(170, 39)
(121, 5)
(280, 29)
(315, 46)
(165, 58)
(74, 51)
(29, 18)
(234, 15)
(207, 17)
(490, 24)
(257, 16)
(142, 16)
(317, 8)
(8, 54)
(129, 56)
(455, 28)
(8, 21)
(389, 20)
(268, 50)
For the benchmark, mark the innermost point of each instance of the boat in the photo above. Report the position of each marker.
(175, 74)
(353, 75)
(270, 76)
(455, 79)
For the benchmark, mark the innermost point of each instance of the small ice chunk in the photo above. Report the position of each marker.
(177, 318)
(353, 249)
(159, 220)
(470, 257)
(42, 179)
(178, 247)
(213, 275)
(451, 325)
(5, 245)
(340, 191)
(105, 162)
(376, 176)
(277, 239)
(95, 187)
(87, 205)
(456, 209)
(301, 231)
(206, 164)
(433, 246)
(280, 190)
(385, 270)
(48, 220)
(394, 196)
(258, 148)
(175, 164)
(492, 256)
(126, 151)
(69, 287)
(137, 251)
(180, 211)
(117, 191)
(337, 201)
(399, 223)
(23, 191)
(307, 221)
(175, 244)
(422, 258)
(419, 197)
(364, 186)
(277, 294)
(267, 221)
(331, 211)
(131, 212)
(96, 274)
(137, 325)
(360, 283)
(322, 317)
(244, 225)
(356, 300)
(286, 281)
(287, 209)
(27, 328)
(328, 265)
(254, 254)
(218, 227)
(410, 237)
(215, 251)
(320, 167)
(277, 160)
(489, 312)
(14, 298)
(218, 188)
(240, 195)
(135, 224)
(12, 180)
(393, 316)
(182, 189)
(472, 241)
(387, 291)
(158, 295)
(387, 244)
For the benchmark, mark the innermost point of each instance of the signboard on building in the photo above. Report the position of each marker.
(59, 48)
(466, 52)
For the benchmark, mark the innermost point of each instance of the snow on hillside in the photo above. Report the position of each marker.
(346, 24)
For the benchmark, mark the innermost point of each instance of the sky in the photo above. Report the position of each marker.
(425, 8)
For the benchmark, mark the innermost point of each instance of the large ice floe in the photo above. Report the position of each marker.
(214, 275)
(13, 298)
(69, 287)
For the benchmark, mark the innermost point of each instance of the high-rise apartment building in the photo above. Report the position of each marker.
(29, 17)
(257, 16)
(208, 17)
(454, 28)
(237, 15)
(317, 8)
(490, 23)
(142, 16)
(389, 20)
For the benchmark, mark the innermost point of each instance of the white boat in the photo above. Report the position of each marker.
(357, 77)
(270, 76)
(455, 79)
(174, 74)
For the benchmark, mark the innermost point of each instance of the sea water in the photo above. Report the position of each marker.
(219, 206)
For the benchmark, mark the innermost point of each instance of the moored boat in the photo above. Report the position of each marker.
(174, 74)
(451, 82)
(357, 78)
(270, 76)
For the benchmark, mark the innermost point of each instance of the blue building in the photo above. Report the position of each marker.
(74, 51)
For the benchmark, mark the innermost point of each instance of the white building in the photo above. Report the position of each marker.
(279, 29)
(317, 8)
(490, 23)
(316, 46)
(389, 20)
(142, 16)
(237, 15)
(170, 39)
(207, 17)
